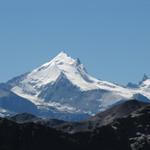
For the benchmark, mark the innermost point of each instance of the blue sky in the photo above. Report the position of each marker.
(111, 37)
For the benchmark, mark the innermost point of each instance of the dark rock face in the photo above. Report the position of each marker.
(130, 132)
(23, 118)
(28, 136)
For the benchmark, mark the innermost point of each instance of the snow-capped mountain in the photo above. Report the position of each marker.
(63, 85)
(143, 87)
(62, 66)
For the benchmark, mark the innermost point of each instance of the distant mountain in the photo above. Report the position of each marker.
(128, 129)
(132, 85)
(137, 85)
(29, 118)
(64, 84)
(103, 118)
(11, 103)
(24, 118)
(145, 78)
(143, 87)
(62, 89)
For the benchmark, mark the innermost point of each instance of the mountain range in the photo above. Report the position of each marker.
(63, 89)
(124, 126)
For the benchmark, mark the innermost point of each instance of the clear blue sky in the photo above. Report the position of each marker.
(111, 37)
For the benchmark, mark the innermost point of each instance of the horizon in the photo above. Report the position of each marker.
(111, 38)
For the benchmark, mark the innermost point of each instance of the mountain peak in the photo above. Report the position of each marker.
(63, 58)
(49, 72)
(78, 62)
(145, 77)
(62, 54)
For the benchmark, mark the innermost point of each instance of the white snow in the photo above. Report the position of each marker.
(144, 88)
(145, 84)
(58, 106)
(4, 112)
(74, 71)
(31, 86)
(62, 63)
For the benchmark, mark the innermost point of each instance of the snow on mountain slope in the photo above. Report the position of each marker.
(143, 87)
(64, 84)
(74, 71)
(5, 112)
(50, 72)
